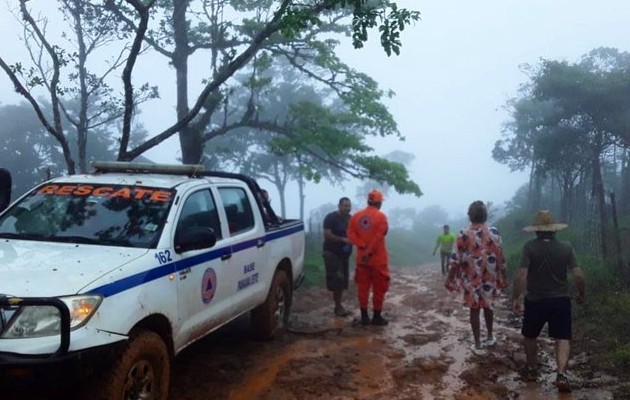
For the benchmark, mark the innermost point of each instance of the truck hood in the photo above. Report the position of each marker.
(45, 269)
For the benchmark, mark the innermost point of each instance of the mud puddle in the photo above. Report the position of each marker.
(424, 353)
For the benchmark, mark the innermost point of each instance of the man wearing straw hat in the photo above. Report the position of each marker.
(543, 271)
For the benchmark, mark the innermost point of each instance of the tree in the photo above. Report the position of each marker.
(32, 156)
(26, 151)
(566, 124)
(180, 28)
(401, 218)
(301, 133)
(62, 70)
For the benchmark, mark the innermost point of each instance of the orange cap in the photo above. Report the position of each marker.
(375, 196)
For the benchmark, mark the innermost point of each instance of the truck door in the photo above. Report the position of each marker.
(205, 283)
(247, 241)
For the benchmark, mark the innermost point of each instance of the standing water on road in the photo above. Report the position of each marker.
(424, 353)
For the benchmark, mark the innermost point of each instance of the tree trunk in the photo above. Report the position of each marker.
(565, 201)
(600, 202)
(190, 138)
(301, 185)
(283, 201)
(536, 191)
(624, 203)
(619, 257)
(192, 145)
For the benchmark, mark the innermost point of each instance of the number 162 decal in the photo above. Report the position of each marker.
(163, 256)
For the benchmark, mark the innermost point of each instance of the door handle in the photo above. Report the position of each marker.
(260, 243)
(226, 256)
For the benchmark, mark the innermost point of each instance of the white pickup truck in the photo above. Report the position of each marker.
(115, 272)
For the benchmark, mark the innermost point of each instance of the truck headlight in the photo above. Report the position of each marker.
(37, 321)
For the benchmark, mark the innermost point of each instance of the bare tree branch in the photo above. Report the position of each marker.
(222, 75)
(54, 86)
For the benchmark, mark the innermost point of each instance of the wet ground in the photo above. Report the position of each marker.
(424, 353)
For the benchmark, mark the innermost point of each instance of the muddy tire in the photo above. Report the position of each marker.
(141, 371)
(270, 319)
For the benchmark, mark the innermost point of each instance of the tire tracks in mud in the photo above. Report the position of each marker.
(422, 354)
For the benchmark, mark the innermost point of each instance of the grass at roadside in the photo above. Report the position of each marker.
(403, 247)
(601, 323)
(313, 262)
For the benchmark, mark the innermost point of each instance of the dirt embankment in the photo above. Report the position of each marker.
(422, 354)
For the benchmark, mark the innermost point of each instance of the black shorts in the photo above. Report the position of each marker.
(337, 271)
(556, 311)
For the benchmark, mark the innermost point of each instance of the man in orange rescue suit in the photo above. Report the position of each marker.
(366, 230)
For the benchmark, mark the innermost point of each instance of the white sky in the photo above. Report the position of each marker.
(457, 68)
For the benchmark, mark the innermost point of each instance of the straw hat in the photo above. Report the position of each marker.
(544, 222)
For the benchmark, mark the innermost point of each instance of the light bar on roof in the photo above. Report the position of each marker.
(169, 169)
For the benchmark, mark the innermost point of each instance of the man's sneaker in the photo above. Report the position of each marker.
(562, 383)
(490, 342)
(478, 351)
(365, 320)
(342, 312)
(379, 320)
(528, 374)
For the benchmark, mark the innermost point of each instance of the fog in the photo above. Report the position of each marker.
(458, 67)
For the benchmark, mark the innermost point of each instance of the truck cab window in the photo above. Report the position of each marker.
(237, 209)
(200, 210)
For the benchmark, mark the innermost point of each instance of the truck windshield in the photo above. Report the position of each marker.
(113, 215)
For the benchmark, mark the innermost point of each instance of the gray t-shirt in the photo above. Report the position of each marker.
(547, 262)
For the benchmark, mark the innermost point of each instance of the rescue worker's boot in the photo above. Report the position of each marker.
(365, 318)
(378, 319)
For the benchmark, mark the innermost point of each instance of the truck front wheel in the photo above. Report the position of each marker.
(271, 318)
(142, 371)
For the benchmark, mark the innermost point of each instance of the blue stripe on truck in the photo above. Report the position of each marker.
(163, 270)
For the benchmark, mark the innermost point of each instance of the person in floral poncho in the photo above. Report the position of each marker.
(478, 268)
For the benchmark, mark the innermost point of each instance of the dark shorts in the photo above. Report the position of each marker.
(555, 311)
(337, 271)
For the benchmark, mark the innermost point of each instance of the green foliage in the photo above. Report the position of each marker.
(405, 249)
(395, 174)
(604, 317)
(386, 16)
(296, 20)
(621, 354)
(511, 227)
(321, 134)
(232, 33)
(314, 272)
(600, 277)
(390, 21)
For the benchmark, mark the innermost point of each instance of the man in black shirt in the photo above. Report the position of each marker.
(543, 272)
(336, 252)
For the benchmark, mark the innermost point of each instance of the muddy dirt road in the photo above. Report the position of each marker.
(422, 354)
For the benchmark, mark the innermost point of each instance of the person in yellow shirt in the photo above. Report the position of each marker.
(445, 244)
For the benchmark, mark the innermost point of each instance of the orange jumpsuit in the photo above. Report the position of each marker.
(367, 229)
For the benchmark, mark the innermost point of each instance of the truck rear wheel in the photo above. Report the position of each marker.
(142, 371)
(270, 319)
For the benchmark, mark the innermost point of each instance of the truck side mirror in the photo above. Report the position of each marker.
(5, 189)
(194, 238)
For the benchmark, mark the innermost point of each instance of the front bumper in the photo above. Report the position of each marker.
(54, 368)
(71, 368)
